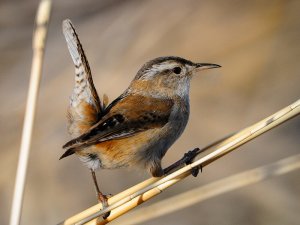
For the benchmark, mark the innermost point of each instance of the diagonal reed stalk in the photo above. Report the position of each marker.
(39, 39)
(132, 197)
(199, 194)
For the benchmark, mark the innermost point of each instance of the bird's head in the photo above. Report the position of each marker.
(167, 76)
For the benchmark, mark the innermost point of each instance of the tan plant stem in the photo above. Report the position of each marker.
(39, 39)
(211, 190)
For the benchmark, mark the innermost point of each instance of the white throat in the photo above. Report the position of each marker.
(183, 88)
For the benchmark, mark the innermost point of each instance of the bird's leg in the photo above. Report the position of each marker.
(101, 197)
(186, 159)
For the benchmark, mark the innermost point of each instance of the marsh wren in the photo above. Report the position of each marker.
(137, 128)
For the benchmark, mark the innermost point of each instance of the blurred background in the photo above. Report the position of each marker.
(256, 42)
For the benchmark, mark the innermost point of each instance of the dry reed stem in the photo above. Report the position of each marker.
(213, 189)
(129, 199)
(39, 39)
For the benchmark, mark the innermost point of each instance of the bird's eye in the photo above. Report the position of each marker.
(177, 70)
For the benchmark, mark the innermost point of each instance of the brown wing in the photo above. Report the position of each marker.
(85, 107)
(131, 115)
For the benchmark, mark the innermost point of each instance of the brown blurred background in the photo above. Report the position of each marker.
(256, 42)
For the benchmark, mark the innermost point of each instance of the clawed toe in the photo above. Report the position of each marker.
(190, 155)
(195, 170)
(106, 215)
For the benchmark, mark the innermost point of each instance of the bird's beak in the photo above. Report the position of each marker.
(205, 66)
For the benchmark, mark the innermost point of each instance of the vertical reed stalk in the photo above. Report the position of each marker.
(39, 39)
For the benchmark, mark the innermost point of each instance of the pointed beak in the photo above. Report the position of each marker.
(205, 66)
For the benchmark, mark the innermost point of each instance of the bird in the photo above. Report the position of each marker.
(137, 128)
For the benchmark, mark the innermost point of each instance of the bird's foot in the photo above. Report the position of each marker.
(103, 200)
(188, 159)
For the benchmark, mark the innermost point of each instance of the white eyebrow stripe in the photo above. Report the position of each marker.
(158, 68)
(164, 65)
